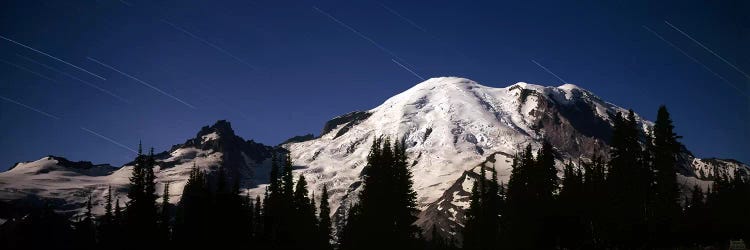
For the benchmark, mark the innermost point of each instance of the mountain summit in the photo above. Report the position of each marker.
(450, 126)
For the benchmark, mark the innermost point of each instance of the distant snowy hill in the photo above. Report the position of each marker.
(70, 183)
(450, 126)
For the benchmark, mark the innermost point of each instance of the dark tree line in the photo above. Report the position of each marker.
(211, 214)
(285, 218)
(630, 202)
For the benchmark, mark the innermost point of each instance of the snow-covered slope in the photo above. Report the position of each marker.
(54, 178)
(451, 126)
(70, 183)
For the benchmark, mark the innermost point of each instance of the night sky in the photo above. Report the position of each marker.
(276, 69)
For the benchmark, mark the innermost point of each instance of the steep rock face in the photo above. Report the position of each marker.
(447, 214)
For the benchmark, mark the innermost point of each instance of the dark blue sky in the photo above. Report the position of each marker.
(281, 68)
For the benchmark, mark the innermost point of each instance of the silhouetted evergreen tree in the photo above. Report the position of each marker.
(274, 206)
(258, 221)
(595, 209)
(165, 218)
(192, 221)
(108, 216)
(482, 227)
(405, 207)
(544, 186)
(518, 220)
(141, 220)
(106, 229)
(629, 183)
(437, 242)
(222, 210)
(304, 222)
(666, 206)
(695, 220)
(39, 229)
(351, 235)
(571, 205)
(387, 203)
(472, 228)
(325, 227)
(248, 217)
(530, 214)
(232, 217)
(728, 207)
(118, 212)
(85, 228)
(117, 224)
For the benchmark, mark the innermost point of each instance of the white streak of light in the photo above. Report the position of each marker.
(50, 56)
(142, 82)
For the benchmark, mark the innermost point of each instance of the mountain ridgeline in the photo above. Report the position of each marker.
(447, 163)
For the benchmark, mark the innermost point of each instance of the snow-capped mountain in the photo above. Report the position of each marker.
(450, 126)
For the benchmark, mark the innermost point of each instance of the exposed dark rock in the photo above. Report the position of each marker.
(350, 119)
(299, 138)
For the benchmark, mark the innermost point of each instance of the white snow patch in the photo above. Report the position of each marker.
(210, 137)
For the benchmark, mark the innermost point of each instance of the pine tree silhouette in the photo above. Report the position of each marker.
(629, 183)
(325, 227)
(141, 221)
(164, 219)
(387, 203)
(666, 201)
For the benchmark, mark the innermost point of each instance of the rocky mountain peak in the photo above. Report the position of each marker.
(222, 128)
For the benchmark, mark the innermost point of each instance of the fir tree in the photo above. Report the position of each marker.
(257, 218)
(287, 179)
(571, 202)
(666, 209)
(108, 207)
(695, 219)
(248, 214)
(191, 218)
(352, 235)
(273, 207)
(531, 189)
(279, 207)
(629, 184)
(164, 220)
(325, 227)
(594, 211)
(387, 202)
(482, 230)
(85, 229)
(118, 212)
(517, 220)
(405, 208)
(472, 234)
(305, 223)
(142, 220)
(107, 224)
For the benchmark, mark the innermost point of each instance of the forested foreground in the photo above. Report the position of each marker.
(628, 199)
